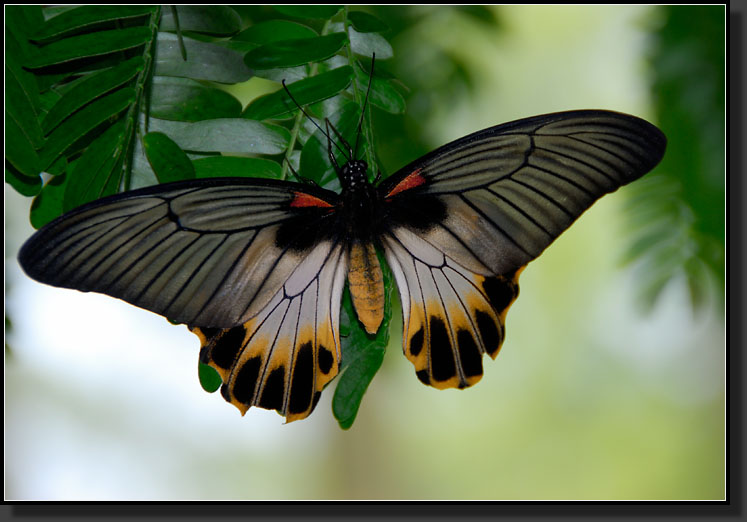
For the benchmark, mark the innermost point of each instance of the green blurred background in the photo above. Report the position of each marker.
(610, 384)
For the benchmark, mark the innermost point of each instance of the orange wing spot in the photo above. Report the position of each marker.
(302, 199)
(411, 181)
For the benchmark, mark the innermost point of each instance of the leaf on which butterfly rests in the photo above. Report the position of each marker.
(362, 355)
(209, 378)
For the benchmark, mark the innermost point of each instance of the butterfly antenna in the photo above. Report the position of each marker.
(365, 104)
(326, 134)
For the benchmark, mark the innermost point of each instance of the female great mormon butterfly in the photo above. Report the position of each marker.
(256, 267)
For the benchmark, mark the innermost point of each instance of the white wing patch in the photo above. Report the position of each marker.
(451, 315)
(282, 358)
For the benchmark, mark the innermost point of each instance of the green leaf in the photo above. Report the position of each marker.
(47, 205)
(366, 44)
(209, 19)
(314, 163)
(366, 23)
(24, 185)
(205, 61)
(169, 162)
(21, 103)
(383, 93)
(19, 151)
(209, 378)
(20, 22)
(319, 12)
(235, 167)
(290, 53)
(306, 91)
(678, 211)
(85, 16)
(85, 120)
(89, 88)
(94, 174)
(362, 355)
(274, 31)
(187, 100)
(88, 45)
(225, 135)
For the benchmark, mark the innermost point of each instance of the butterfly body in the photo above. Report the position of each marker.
(256, 268)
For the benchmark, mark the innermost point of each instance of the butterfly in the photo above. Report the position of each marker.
(256, 267)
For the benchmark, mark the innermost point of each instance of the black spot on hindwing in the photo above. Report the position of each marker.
(303, 380)
(227, 346)
(501, 291)
(469, 354)
(245, 382)
(325, 360)
(423, 376)
(274, 390)
(489, 333)
(443, 366)
(416, 342)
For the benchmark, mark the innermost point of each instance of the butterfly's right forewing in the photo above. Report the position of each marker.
(464, 220)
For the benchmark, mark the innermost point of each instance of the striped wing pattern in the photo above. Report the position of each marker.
(469, 216)
(198, 253)
(256, 268)
(451, 316)
(282, 358)
(230, 258)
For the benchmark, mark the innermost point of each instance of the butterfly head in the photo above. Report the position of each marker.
(353, 175)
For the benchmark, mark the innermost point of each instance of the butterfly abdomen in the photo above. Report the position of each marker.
(366, 284)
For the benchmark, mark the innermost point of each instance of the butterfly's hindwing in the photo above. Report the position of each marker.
(282, 358)
(451, 315)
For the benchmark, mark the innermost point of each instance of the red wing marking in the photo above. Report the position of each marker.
(411, 181)
(302, 199)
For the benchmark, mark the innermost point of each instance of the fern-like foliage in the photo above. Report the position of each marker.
(103, 99)
(678, 212)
